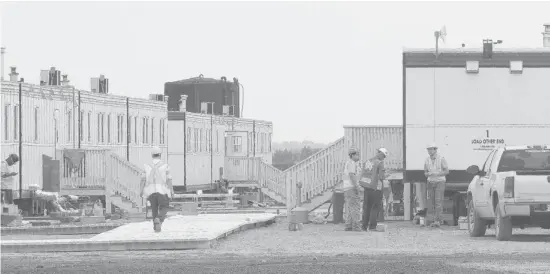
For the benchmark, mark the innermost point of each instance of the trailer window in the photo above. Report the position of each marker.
(525, 160)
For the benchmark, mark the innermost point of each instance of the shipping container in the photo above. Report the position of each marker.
(368, 139)
(469, 105)
(200, 90)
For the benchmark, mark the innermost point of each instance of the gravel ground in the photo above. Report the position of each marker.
(316, 249)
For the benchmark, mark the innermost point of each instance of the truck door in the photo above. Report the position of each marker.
(483, 187)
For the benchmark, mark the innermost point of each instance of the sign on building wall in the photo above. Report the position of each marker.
(484, 144)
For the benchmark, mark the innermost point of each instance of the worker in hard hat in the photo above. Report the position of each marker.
(156, 186)
(8, 178)
(436, 170)
(373, 182)
(351, 176)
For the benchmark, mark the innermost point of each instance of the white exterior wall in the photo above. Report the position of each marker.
(198, 157)
(39, 129)
(452, 108)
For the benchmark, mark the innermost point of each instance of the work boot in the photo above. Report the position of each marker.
(157, 225)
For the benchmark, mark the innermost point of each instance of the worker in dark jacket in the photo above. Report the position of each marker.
(372, 181)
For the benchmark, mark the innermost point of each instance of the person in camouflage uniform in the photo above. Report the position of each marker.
(352, 173)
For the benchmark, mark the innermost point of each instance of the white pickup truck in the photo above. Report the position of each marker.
(512, 189)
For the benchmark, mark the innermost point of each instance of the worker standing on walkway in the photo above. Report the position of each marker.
(435, 170)
(352, 173)
(8, 178)
(373, 182)
(156, 186)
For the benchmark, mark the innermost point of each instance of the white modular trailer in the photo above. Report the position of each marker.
(50, 120)
(468, 104)
(199, 144)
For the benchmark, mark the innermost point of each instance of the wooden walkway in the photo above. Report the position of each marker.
(178, 232)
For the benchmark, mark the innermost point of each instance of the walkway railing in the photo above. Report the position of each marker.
(125, 179)
(100, 169)
(317, 173)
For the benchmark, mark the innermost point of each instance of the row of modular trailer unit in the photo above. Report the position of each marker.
(201, 147)
(58, 117)
(468, 102)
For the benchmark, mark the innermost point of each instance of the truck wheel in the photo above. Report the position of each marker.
(503, 226)
(476, 225)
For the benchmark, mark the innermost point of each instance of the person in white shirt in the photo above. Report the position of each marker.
(436, 170)
(352, 173)
(8, 178)
(156, 186)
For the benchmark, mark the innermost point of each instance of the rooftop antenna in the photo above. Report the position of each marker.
(440, 34)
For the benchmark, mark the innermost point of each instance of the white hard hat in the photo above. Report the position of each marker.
(352, 150)
(384, 151)
(432, 145)
(156, 151)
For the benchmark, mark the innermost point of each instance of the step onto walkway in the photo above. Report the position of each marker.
(178, 232)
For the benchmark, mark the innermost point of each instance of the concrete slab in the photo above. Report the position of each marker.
(60, 229)
(178, 232)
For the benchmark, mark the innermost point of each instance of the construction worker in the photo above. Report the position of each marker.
(435, 170)
(8, 178)
(156, 186)
(352, 173)
(373, 182)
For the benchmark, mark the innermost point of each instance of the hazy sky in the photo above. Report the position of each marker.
(308, 67)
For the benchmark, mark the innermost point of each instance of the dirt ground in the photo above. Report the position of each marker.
(404, 248)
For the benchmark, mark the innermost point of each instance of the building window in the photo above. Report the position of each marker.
(209, 140)
(201, 140)
(217, 141)
(144, 130)
(237, 143)
(109, 128)
(36, 114)
(81, 126)
(269, 141)
(129, 129)
(196, 140)
(90, 126)
(161, 130)
(6, 122)
(101, 127)
(119, 125)
(188, 140)
(136, 129)
(152, 131)
(16, 122)
(69, 125)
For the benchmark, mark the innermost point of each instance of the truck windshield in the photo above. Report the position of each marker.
(525, 160)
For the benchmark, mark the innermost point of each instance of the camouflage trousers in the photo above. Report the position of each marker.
(353, 209)
(436, 195)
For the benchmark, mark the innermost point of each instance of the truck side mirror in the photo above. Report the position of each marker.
(474, 170)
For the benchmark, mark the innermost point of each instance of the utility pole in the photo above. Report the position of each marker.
(2, 51)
